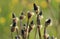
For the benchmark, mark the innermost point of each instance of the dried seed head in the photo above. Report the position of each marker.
(48, 21)
(13, 26)
(12, 29)
(14, 22)
(36, 8)
(29, 15)
(31, 26)
(22, 16)
(22, 13)
(40, 15)
(13, 15)
(24, 26)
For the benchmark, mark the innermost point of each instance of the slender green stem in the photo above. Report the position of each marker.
(28, 29)
(36, 29)
(39, 32)
(11, 35)
(35, 33)
(17, 32)
(38, 26)
(44, 32)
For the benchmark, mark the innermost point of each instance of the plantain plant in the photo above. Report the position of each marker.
(24, 30)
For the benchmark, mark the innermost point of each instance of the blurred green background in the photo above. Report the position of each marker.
(17, 6)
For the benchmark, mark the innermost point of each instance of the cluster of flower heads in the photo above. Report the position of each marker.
(25, 29)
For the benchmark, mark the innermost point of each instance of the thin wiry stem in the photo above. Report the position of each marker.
(28, 35)
(27, 29)
(44, 32)
(38, 26)
(11, 35)
(17, 32)
(39, 32)
(35, 33)
(20, 26)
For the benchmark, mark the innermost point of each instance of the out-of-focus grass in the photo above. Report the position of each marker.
(17, 6)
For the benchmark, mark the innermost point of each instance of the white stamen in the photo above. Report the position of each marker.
(32, 13)
(51, 24)
(17, 18)
(16, 27)
(47, 19)
(47, 35)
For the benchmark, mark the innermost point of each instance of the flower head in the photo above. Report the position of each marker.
(13, 15)
(48, 21)
(22, 16)
(40, 15)
(36, 8)
(30, 14)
